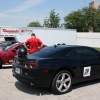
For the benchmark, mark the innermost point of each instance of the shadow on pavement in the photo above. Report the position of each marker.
(39, 91)
(86, 83)
(46, 91)
(7, 67)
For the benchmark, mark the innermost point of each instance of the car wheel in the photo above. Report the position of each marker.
(0, 64)
(62, 82)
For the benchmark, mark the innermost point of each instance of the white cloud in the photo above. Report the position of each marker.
(26, 5)
(19, 21)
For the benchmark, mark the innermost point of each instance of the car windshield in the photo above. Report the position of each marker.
(11, 46)
(51, 52)
(1, 48)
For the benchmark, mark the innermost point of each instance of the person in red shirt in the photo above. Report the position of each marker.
(34, 44)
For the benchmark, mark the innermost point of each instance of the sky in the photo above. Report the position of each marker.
(19, 13)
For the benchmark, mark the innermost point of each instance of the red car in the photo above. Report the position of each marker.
(7, 54)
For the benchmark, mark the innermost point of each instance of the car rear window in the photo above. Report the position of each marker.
(51, 52)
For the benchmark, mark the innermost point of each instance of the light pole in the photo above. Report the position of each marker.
(84, 3)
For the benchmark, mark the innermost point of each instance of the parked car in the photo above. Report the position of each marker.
(7, 54)
(4, 44)
(58, 67)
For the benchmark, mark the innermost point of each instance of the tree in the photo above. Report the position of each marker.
(34, 24)
(53, 21)
(84, 20)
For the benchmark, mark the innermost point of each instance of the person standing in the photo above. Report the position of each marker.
(33, 44)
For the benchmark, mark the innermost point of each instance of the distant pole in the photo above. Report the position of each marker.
(84, 3)
(64, 13)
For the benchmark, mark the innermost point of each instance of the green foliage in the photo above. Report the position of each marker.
(97, 49)
(83, 20)
(34, 24)
(53, 21)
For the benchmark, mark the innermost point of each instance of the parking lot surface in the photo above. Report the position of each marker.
(11, 89)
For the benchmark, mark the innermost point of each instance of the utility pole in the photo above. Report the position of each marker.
(84, 3)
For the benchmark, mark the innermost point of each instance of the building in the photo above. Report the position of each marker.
(94, 4)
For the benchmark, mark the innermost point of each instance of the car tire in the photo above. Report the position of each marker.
(62, 82)
(0, 64)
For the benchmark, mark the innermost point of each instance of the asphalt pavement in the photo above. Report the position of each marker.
(11, 89)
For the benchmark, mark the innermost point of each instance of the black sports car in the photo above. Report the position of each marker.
(58, 67)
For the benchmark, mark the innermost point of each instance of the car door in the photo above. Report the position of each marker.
(89, 62)
(11, 54)
(4, 57)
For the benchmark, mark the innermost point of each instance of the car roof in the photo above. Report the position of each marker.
(69, 46)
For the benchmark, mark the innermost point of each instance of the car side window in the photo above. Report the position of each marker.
(86, 52)
(72, 53)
